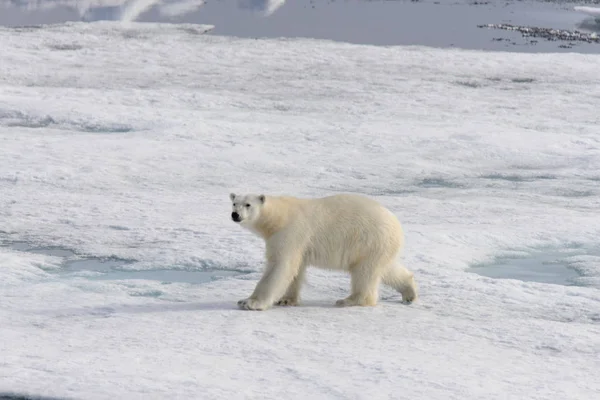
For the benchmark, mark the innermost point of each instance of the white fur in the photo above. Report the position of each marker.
(342, 232)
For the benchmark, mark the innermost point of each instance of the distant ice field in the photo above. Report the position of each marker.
(120, 144)
(534, 24)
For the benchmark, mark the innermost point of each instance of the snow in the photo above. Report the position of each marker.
(125, 142)
(594, 11)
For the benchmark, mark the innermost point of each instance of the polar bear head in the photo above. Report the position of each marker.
(246, 208)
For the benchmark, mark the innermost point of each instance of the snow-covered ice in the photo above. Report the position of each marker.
(594, 11)
(124, 143)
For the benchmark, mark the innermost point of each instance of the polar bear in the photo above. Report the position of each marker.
(341, 232)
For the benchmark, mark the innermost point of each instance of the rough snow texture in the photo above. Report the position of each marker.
(126, 142)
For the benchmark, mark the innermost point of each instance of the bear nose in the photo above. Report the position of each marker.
(235, 216)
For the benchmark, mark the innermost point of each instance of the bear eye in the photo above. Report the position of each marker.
(247, 205)
(235, 204)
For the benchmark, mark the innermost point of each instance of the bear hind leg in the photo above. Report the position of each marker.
(403, 280)
(365, 278)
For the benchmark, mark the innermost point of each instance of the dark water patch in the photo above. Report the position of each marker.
(94, 264)
(192, 30)
(65, 46)
(528, 167)
(469, 84)
(547, 266)
(118, 227)
(19, 246)
(132, 34)
(19, 396)
(32, 122)
(106, 128)
(390, 192)
(147, 293)
(548, 348)
(517, 178)
(438, 183)
(53, 251)
(497, 79)
(575, 193)
(15, 118)
(113, 268)
(522, 80)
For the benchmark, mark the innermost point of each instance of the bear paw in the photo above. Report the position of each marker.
(351, 301)
(409, 295)
(252, 304)
(287, 301)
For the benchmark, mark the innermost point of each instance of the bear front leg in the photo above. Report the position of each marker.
(292, 295)
(273, 285)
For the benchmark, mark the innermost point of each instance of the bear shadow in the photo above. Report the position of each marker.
(202, 306)
(107, 311)
(110, 310)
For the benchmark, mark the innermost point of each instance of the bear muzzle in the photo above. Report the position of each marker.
(235, 216)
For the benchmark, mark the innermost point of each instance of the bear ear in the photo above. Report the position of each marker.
(232, 196)
(262, 198)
